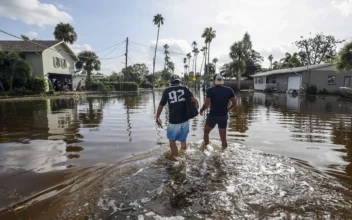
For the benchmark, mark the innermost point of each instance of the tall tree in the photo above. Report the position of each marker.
(318, 48)
(194, 45)
(196, 52)
(189, 60)
(88, 61)
(65, 32)
(204, 50)
(171, 66)
(239, 55)
(343, 60)
(215, 60)
(276, 65)
(12, 66)
(158, 20)
(209, 34)
(270, 58)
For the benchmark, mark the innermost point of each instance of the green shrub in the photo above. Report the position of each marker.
(311, 90)
(37, 84)
(268, 90)
(123, 86)
(146, 85)
(324, 92)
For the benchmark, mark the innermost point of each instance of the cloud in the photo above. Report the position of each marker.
(345, 7)
(32, 34)
(76, 48)
(33, 12)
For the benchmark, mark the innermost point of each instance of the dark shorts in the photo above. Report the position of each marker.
(221, 121)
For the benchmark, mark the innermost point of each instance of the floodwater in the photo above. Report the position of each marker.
(289, 157)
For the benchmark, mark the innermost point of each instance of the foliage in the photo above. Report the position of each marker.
(290, 61)
(65, 32)
(115, 77)
(312, 90)
(136, 73)
(24, 37)
(343, 61)
(317, 49)
(88, 61)
(270, 58)
(268, 90)
(37, 84)
(208, 34)
(324, 92)
(13, 67)
(51, 88)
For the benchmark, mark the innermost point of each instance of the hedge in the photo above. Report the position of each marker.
(123, 86)
(37, 84)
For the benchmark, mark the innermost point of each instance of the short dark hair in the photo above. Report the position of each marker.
(176, 83)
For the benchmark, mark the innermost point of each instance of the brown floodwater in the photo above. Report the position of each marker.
(44, 143)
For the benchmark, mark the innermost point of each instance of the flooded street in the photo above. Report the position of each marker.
(103, 157)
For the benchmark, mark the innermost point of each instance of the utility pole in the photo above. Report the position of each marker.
(126, 54)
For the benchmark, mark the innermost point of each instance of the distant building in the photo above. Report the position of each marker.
(50, 59)
(324, 76)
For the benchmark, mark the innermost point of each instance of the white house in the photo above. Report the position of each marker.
(323, 76)
(50, 59)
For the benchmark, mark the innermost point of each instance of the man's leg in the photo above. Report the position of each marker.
(222, 131)
(183, 145)
(173, 148)
(207, 130)
(183, 135)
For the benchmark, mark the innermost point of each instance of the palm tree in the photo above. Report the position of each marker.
(88, 61)
(276, 65)
(215, 60)
(343, 60)
(171, 66)
(12, 66)
(239, 56)
(209, 34)
(271, 61)
(166, 52)
(194, 45)
(189, 60)
(158, 20)
(65, 32)
(204, 60)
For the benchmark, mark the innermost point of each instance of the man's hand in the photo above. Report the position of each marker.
(159, 122)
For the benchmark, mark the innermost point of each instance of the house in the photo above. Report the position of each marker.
(323, 76)
(50, 59)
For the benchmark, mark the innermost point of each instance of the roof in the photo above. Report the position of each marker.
(33, 46)
(292, 70)
(27, 46)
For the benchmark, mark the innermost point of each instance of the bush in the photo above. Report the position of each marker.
(37, 84)
(268, 90)
(123, 86)
(312, 90)
(51, 88)
(324, 92)
(19, 92)
(146, 85)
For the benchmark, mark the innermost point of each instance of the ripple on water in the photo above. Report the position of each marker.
(235, 184)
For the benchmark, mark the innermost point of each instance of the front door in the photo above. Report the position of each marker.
(347, 82)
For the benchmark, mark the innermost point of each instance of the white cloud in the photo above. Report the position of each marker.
(345, 7)
(33, 12)
(76, 48)
(32, 34)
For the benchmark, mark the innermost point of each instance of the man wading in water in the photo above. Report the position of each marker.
(178, 127)
(218, 97)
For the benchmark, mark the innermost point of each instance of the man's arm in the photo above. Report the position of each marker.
(233, 103)
(205, 106)
(158, 113)
(195, 101)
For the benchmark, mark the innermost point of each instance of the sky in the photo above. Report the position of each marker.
(274, 25)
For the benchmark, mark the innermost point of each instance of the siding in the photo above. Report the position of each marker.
(48, 61)
(320, 79)
(35, 61)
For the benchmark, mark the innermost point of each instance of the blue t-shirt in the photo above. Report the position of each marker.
(176, 96)
(220, 97)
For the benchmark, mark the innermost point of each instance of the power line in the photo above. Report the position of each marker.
(119, 44)
(112, 50)
(130, 59)
(109, 58)
(50, 48)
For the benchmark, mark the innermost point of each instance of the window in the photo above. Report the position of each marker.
(331, 80)
(63, 64)
(57, 62)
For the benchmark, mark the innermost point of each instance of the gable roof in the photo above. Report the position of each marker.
(27, 46)
(292, 70)
(33, 46)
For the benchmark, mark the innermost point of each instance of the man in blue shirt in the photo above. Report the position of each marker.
(178, 127)
(218, 97)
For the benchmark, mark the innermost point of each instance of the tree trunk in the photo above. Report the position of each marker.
(208, 70)
(88, 88)
(156, 47)
(195, 65)
(238, 77)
